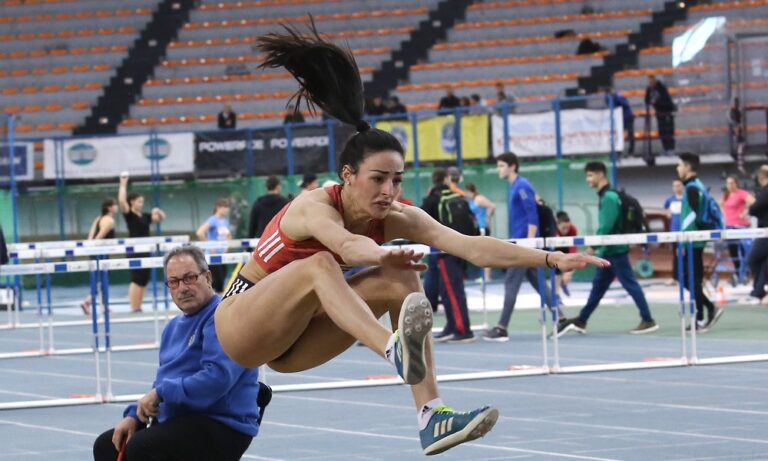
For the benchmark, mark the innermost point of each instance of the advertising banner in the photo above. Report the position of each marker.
(107, 157)
(23, 161)
(437, 137)
(228, 151)
(582, 131)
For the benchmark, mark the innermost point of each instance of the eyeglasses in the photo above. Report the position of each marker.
(188, 279)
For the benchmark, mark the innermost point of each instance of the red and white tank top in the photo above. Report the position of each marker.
(275, 249)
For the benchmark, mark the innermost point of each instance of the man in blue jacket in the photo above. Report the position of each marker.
(523, 223)
(204, 403)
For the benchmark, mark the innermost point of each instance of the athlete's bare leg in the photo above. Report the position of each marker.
(282, 320)
(262, 323)
(135, 296)
(383, 290)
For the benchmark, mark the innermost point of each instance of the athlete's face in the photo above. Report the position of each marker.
(377, 182)
(190, 289)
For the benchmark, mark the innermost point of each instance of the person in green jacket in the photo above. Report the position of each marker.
(690, 213)
(610, 221)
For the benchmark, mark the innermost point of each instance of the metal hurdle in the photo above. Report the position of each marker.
(688, 356)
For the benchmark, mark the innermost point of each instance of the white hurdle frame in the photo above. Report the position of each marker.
(688, 356)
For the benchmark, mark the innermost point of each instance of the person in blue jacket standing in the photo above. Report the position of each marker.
(204, 404)
(523, 223)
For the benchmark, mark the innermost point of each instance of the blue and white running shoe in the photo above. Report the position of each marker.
(414, 326)
(448, 428)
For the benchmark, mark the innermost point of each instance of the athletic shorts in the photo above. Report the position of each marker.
(140, 276)
(238, 286)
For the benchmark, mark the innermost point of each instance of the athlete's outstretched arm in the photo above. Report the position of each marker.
(416, 225)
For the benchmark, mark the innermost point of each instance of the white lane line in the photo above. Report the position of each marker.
(644, 403)
(416, 439)
(48, 428)
(247, 456)
(551, 422)
(28, 394)
(15, 454)
(634, 380)
(38, 373)
(535, 420)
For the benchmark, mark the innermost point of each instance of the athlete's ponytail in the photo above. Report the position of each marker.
(328, 78)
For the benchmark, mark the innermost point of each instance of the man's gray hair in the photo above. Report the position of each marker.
(193, 251)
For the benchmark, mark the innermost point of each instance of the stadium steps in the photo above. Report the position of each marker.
(626, 55)
(146, 53)
(417, 47)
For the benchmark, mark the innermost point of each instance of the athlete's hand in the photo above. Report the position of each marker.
(123, 431)
(403, 259)
(149, 405)
(572, 261)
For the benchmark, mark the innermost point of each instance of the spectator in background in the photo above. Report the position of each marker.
(131, 205)
(627, 115)
(736, 132)
(657, 96)
(465, 103)
(758, 255)
(610, 221)
(216, 228)
(734, 204)
(292, 115)
(694, 201)
(3, 248)
(483, 210)
(455, 177)
(672, 207)
(227, 118)
(523, 223)
(448, 270)
(308, 182)
(449, 101)
(266, 207)
(589, 46)
(565, 228)
(103, 227)
(395, 107)
(503, 96)
(377, 107)
(207, 407)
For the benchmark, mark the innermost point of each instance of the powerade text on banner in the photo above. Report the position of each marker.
(228, 151)
(107, 157)
(437, 137)
(582, 131)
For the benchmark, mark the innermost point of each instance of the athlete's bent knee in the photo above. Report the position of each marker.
(322, 263)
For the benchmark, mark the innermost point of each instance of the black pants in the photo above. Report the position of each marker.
(757, 259)
(666, 124)
(629, 127)
(698, 278)
(451, 283)
(218, 277)
(186, 438)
